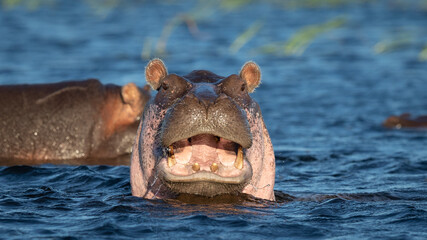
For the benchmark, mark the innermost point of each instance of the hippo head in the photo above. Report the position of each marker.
(119, 118)
(202, 134)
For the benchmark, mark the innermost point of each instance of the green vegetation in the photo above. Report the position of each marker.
(103, 7)
(233, 4)
(423, 54)
(247, 35)
(29, 4)
(316, 3)
(190, 19)
(391, 45)
(299, 42)
(146, 49)
(397, 43)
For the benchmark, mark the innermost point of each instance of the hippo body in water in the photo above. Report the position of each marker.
(69, 120)
(202, 134)
(404, 121)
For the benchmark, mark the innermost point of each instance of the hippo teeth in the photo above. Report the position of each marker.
(214, 167)
(196, 167)
(239, 159)
(197, 152)
(171, 157)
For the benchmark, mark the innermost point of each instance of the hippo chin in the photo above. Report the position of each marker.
(202, 134)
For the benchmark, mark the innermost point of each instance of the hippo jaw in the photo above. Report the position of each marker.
(205, 165)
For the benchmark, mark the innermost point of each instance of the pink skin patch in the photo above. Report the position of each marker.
(262, 159)
(143, 159)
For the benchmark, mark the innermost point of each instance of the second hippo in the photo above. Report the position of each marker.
(69, 120)
(202, 134)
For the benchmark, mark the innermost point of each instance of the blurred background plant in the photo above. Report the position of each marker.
(29, 4)
(295, 44)
(298, 42)
(423, 54)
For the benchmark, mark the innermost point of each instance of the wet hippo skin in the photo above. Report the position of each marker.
(69, 120)
(202, 134)
(404, 121)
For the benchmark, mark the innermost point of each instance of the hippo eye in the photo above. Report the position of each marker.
(165, 86)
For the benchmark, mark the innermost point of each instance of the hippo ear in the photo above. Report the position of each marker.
(155, 72)
(132, 95)
(251, 74)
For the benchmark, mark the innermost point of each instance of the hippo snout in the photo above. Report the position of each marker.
(215, 115)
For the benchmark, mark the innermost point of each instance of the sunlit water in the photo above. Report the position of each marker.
(339, 173)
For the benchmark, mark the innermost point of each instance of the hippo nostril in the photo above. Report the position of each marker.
(222, 96)
(192, 96)
(206, 102)
(206, 95)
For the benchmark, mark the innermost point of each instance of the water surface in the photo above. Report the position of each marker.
(339, 173)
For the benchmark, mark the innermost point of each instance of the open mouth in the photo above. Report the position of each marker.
(205, 164)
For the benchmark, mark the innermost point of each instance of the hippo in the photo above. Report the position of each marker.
(69, 120)
(404, 121)
(202, 135)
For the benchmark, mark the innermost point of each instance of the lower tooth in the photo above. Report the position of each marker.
(239, 159)
(196, 167)
(214, 167)
(171, 161)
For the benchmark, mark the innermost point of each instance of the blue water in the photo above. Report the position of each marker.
(339, 173)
